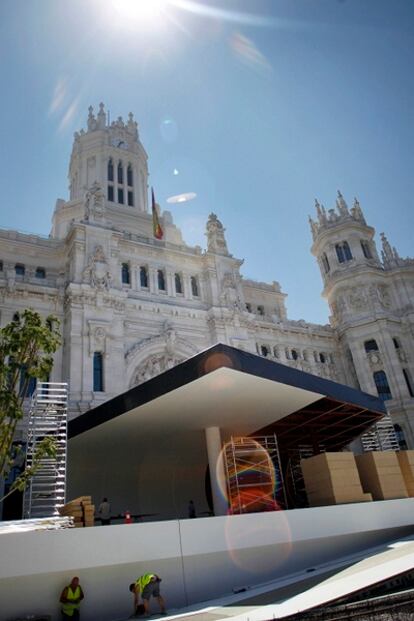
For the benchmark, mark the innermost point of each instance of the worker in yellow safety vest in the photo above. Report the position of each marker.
(71, 597)
(147, 585)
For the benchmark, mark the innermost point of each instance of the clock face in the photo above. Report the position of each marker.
(119, 143)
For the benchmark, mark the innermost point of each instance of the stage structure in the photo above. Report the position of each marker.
(225, 428)
(45, 491)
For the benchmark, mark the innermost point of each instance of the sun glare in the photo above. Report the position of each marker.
(139, 10)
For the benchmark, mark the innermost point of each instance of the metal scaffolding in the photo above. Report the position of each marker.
(254, 474)
(381, 437)
(45, 491)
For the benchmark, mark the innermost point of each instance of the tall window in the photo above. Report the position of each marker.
(325, 263)
(322, 358)
(98, 372)
(396, 342)
(1, 266)
(143, 276)
(408, 381)
(381, 382)
(130, 198)
(130, 178)
(178, 283)
(20, 269)
(194, 286)
(260, 310)
(399, 433)
(27, 385)
(366, 249)
(111, 193)
(371, 345)
(264, 350)
(121, 196)
(40, 272)
(120, 175)
(161, 280)
(295, 354)
(343, 252)
(126, 280)
(110, 170)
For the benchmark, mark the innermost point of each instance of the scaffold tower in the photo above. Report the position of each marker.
(254, 474)
(45, 491)
(381, 437)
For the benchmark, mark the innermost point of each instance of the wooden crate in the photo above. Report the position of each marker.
(332, 478)
(381, 475)
(406, 463)
(81, 509)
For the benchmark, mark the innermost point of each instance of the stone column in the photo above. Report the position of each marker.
(217, 473)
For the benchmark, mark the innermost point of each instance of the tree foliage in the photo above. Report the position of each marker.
(27, 345)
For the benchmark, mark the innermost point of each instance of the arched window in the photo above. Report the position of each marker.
(126, 280)
(248, 307)
(178, 283)
(325, 263)
(322, 358)
(408, 381)
(371, 345)
(130, 177)
(260, 310)
(40, 272)
(366, 249)
(20, 269)
(295, 354)
(143, 276)
(110, 170)
(161, 280)
(264, 350)
(396, 342)
(120, 175)
(381, 382)
(399, 433)
(194, 286)
(98, 385)
(343, 252)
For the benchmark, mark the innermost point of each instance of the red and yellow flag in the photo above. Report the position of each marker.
(156, 226)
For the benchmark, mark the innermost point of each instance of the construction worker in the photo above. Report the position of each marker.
(147, 585)
(71, 597)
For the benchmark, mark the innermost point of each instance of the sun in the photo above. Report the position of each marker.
(139, 10)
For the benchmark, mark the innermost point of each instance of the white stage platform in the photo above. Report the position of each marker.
(198, 560)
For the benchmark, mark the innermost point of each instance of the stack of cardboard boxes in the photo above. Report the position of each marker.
(406, 461)
(380, 474)
(332, 479)
(81, 509)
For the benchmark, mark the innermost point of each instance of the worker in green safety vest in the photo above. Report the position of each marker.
(71, 597)
(147, 585)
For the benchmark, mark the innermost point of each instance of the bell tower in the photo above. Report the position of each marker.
(367, 308)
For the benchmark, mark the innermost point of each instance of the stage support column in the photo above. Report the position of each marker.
(217, 473)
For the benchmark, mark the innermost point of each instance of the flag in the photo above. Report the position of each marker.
(156, 226)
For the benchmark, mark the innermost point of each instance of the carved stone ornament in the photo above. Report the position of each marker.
(94, 203)
(229, 295)
(96, 273)
(167, 349)
(358, 299)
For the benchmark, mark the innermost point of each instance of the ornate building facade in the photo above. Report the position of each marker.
(132, 306)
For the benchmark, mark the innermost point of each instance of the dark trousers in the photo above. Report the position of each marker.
(74, 617)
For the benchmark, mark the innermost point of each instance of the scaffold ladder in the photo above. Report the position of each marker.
(381, 437)
(45, 491)
(253, 470)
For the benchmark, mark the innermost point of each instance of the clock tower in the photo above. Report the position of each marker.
(108, 175)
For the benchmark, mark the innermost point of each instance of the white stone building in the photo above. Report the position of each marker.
(131, 305)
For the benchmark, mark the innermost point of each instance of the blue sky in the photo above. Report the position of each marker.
(261, 106)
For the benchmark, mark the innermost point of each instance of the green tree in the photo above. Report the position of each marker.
(27, 345)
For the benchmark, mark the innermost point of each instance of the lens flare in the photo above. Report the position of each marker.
(139, 10)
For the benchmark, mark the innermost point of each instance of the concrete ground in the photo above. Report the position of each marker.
(299, 592)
